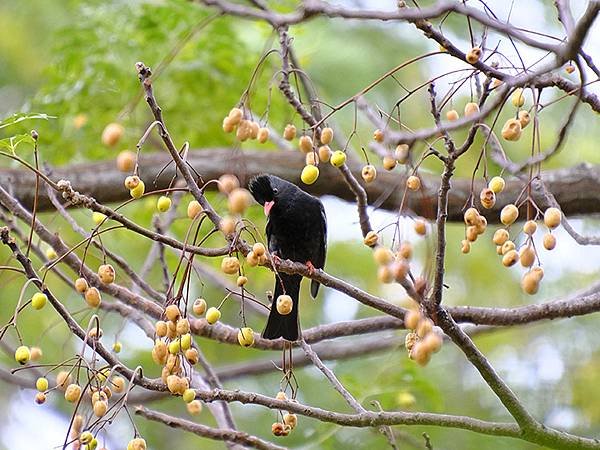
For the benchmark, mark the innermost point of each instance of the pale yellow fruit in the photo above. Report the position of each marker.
(471, 109)
(263, 135)
(72, 393)
(239, 200)
(309, 174)
(527, 256)
(92, 297)
(420, 227)
(172, 313)
(371, 239)
(402, 153)
(509, 214)
(194, 407)
(510, 258)
(552, 217)
(227, 183)
(194, 209)
(106, 273)
(230, 265)
(81, 285)
(369, 173)
(132, 181)
(530, 283)
(500, 236)
(511, 131)
(138, 191)
(413, 183)
(524, 118)
(199, 306)
(452, 115)
(473, 55)
(383, 256)
(246, 337)
(126, 161)
(305, 144)
(518, 99)
(326, 136)
(213, 315)
(112, 134)
(389, 163)
(324, 153)
(530, 227)
(497, 185)
(284, 304)
(487, 197)
(227, 225)
(549, 241)
(289, 133)
(378, 136)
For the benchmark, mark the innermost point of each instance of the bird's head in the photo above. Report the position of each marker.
(267, 190)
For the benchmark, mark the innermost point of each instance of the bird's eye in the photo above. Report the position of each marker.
(275, 191)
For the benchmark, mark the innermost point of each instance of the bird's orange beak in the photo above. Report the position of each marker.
(268, 206)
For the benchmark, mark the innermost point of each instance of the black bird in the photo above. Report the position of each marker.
(296, 230)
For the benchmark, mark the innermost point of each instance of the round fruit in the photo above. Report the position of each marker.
(192, 356)
(420, 227)
(186, 342)
(213, 315)
(510, 258)
(312, 159)
(278, 429)
(326, 136)
(529, 227)
(63, 379)
(432, 343)
(406, 400)
(389, 163)
(259, 249)
(41, 384)
(35, 353)
(189, 395)
(549, 241)
(471, 109)
(530, 283)
(98, 217)
(40, 398)
(112, 134)
(524, 118)
(136, 444)
(527, 256)
(106, 273)
(305, 144)
(238, 201)
(199, 306)
(402, 153)
(230, 265)
(509, 214)
(570, 69)
(552, 217)
(132, 181)
(511, 131)
(194, 209)
(289, 133)
(163, 204)
(338, 159)
(487, 198)
(81, 285)
(227, 183)
(117, 347)
(243, 131)
(471, 216)
(371, 239)
(183, 326)
(309, 174)
(410, 340)
(228, 125)
(413, 183)
(324, 153)
(383, 256)
(51, 253)
(227, 225)
(507, 246)
(262, 135)
(126, 161)
(378, 136)
(175, 347)
(235, 116)
(369, 173)
(241, 281)
(138, 191)
(246, 337)
(405, 251)
(424, 327)
(253, 127)
(22, 354)
(100, 408)
(384, 274)
(172, 313)
(452, 115)
(194, 408)
(497, 185)
(72, 393)
(411, 319)
(86, 437)
(471, 233)
(284, 304)
(161, 328)
(465, 246)
(118, 384)
(517, 98)
(291, 420)
(473, 55)
(38, 301)
(500, 236)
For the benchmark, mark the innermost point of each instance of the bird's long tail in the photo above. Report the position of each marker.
(277, 324)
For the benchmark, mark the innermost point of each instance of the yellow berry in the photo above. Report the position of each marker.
(324, 153)
(163, 204)
(338, 159)
(186, 342)
(63, 379)
(51, 253)
(117, 347)
(194, 407)
(471, 109)
(529, 227)
(86, 437)
(517, 98)
(98, 217)
(389, 163)
(38, 301)
(138, 191)
(497, 185)
(41, 384)
(549, 241)
(132, 181)
(136, 444)
(452, 115)
(72, 393)
(40, 398)
(161, 328)
(309, 174)
(291, 420)
(22, 354)
(189, 395)
(213, 315)
(246, 337)
(172, 313)
(509, 214)
(227, 183)
(500, 236)
(106, 273)
(413, 183)
(420, 227)
(510, 258)
(411, 319)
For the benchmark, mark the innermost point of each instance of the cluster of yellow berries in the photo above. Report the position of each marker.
(511, 131)
(24, 354)
(244, 129)
(288, 421)
(313, 155)
(423, 340)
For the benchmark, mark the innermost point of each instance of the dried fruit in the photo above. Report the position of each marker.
(369, 173)
(235, 116)
(227, 225)
(259, 249)
(384, 274)
(194, 407)
(194, 209)
(309, 174)
(420, 227)
(230, 265)
(241, 281)
(411, 319)
(510, 258)
(106, 273)
(284, 304)
(529, 227)
(199, 306)
(183, 326)
(63, 378)
(527, 256)
(161, 328)
(81, 285)
(136, 444)
(389, 163)
(72, 393)
(263, 135)
(487, 198)
(172, 313)
(552, 217)
(238, 201)
(378, 136)
(402, 153)
(324, 153)
(383, 256)
(473, 55)
(465, 246)
(312, 159)
(290, 420)
(530, 283)
(570, 68)
(511, 131)
(132, 181)
(371, 239)
(40, 398)
(500, 236)
(305, 144)
(35, 353)
(524, 118)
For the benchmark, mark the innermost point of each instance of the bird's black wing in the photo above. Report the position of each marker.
(321, 237)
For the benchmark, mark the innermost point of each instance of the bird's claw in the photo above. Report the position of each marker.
(311, 267)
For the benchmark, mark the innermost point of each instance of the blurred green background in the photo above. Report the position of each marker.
(74, 60)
